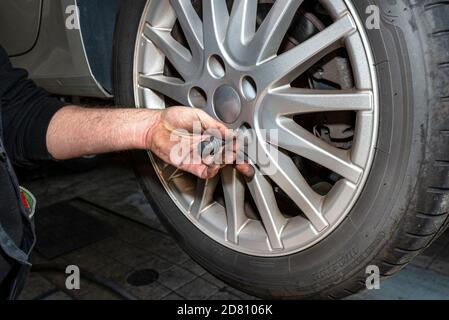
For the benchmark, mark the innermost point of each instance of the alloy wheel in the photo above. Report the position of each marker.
(242, 65)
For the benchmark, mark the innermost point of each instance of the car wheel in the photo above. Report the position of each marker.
(361, 165)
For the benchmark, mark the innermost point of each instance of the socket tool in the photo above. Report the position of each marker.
(212, 146)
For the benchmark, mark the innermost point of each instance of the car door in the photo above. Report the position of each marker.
(19, 25)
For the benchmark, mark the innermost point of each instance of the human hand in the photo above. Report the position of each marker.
(175, 136)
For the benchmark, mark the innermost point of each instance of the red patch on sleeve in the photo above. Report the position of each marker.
(24, 200)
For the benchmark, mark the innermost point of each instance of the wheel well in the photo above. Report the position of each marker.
(97, 22)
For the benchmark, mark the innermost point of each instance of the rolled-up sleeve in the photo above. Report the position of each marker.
(26, 114)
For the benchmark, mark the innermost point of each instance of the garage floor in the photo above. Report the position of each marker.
(143, 260)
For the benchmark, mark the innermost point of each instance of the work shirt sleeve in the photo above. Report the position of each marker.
(26, 111)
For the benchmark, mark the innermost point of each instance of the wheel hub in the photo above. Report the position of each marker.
(227, 104)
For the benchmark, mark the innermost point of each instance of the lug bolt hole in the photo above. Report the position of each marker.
(249, 88)
(197, 97)
(216, 66)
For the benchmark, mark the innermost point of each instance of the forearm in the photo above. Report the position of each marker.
(76, 131)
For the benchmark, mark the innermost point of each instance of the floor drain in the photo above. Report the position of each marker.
(142, 277)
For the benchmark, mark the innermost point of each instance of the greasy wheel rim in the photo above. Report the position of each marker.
(227, 55)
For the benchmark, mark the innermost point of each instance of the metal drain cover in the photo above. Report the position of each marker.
(142, 277)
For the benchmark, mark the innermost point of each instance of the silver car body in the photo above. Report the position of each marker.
(39, 37)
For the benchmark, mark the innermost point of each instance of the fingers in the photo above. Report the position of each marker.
(202, 171)
(208, 172)
(226, 156)
(210, 124)
(192, 120)
(212, 171)
(246, 170)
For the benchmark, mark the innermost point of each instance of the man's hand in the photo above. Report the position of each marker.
(183, 129)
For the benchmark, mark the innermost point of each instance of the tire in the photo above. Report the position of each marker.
(404, 205)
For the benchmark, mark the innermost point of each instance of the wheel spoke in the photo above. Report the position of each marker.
(170, 172)
(296, 139)
(286, 67)
(281, 169)
(234, 194)
(215, 23)
(173, 88)
(242, 23)
(177, 54)
(271, 33)
(160, 14)
(190, 23)
(272, 218)
(293, 101)
(203, 196)
(241, 29)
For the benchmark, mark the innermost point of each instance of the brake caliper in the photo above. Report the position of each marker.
(339, 135)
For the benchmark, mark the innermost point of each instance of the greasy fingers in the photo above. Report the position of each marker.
(176, 138)
(246, 170)
(210, 124)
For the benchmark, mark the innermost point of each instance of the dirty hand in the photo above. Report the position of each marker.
(176, 134)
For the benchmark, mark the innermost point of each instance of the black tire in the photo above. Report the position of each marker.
(404, 205)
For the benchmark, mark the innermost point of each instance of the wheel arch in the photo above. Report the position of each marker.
(97, 25)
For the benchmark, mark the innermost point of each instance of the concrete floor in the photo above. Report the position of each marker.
(111, 190)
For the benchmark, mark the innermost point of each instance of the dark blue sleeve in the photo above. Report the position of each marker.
(26, 113)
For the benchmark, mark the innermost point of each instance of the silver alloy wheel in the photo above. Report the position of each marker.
(228, 59)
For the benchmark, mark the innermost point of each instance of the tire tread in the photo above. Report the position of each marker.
(429, 217)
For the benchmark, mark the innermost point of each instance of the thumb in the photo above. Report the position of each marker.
(212, 126)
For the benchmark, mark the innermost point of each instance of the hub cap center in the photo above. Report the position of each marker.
(227, 104)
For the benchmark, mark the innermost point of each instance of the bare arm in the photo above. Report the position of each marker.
(76, 131)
